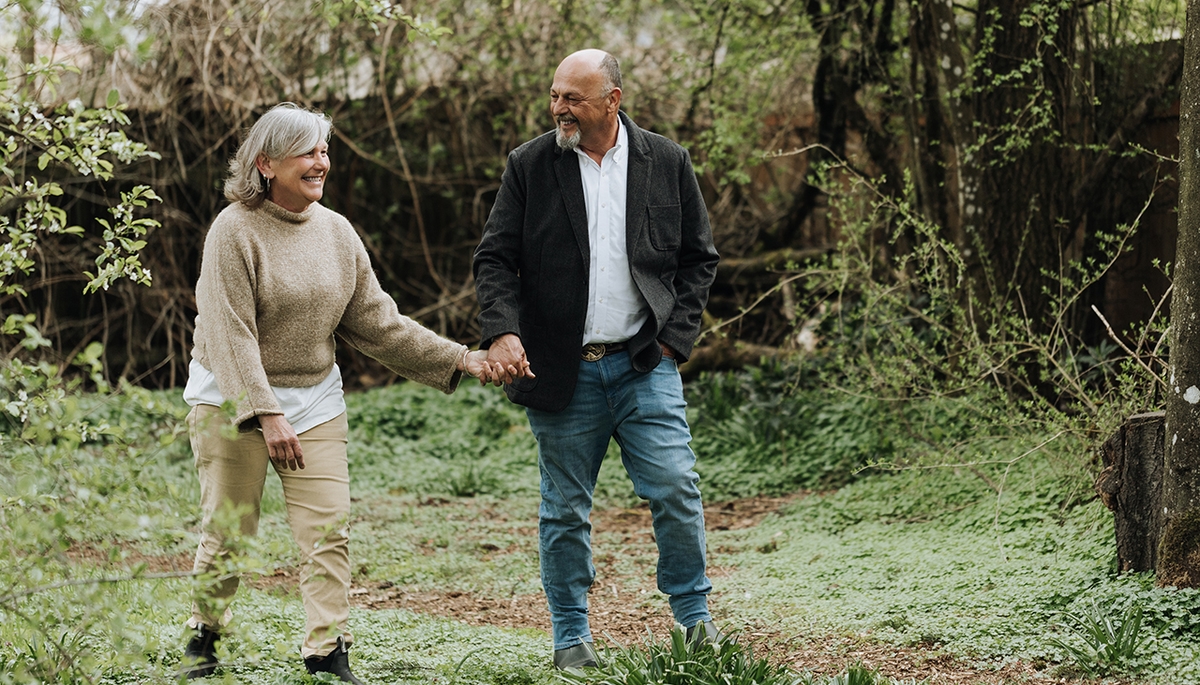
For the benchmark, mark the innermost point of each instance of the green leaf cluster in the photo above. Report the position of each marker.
(1103, 643)
(38, 150)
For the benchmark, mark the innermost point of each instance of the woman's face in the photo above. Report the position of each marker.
(297, 182)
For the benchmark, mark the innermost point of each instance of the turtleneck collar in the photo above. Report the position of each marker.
(291, 217)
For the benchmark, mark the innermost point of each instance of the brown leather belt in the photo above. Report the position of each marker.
(596, 351)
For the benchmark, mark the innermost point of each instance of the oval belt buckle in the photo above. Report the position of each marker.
(593, 352)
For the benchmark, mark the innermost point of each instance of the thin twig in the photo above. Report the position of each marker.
(796, 151)
(1112, 334)
(76, 582)
(970, 464)
(746, 310)
(443, 303)
(1154, 315)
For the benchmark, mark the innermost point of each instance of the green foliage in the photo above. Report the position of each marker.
(120, 256)
(1110, 643)
(70, 139)
(72, 486)
(981, 561)
(377, 13)
(474, 442)
(858, 675)
(728, 663)
(678, 663)
(924, 329)
(759, 431)
(82, 499)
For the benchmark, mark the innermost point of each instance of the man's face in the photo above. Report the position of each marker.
(582, 108)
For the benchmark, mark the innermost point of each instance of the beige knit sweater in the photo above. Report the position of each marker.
(274, 288)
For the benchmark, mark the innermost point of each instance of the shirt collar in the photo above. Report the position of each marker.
(619, 148)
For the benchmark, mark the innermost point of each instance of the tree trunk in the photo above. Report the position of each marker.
(1179, 547)
(1023, 165)
(1131, 486)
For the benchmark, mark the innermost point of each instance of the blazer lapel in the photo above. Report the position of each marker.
(637, 186)
(570, 185)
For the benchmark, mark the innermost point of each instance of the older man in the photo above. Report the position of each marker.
(593, 271)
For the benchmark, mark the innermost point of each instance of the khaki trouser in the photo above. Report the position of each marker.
(232, 472)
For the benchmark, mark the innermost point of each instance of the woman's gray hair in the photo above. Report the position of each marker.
(286, 130)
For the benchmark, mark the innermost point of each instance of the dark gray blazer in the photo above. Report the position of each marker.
(531, 267)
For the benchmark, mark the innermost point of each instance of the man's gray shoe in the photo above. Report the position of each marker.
(704, 633)
(582, 655)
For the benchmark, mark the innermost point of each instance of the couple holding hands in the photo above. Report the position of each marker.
(592, 273)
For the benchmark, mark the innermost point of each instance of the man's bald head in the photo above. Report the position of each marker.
(597, 60)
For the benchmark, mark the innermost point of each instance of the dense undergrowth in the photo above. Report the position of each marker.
(999, 554)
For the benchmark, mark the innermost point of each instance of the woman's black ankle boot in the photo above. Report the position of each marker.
(336, 662)
(200, 655)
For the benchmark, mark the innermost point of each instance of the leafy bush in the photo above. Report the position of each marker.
(756, 432)
(926, 327)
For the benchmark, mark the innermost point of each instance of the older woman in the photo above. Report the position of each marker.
(282, 274)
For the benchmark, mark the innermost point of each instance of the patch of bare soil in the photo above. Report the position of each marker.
(829, 655)
(124, 556)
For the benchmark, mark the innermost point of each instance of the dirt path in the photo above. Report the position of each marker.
(624, 606)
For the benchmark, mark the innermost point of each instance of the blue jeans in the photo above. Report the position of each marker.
(645, 414)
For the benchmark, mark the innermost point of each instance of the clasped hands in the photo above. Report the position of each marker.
(502, 363)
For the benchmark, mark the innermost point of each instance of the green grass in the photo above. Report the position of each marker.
(990, 564)
(937, 559)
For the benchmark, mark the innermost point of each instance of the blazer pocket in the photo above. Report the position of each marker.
(665, 224)
(525, 384)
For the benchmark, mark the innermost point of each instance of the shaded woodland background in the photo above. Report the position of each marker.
(1024, 131)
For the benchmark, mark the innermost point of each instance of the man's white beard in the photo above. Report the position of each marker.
(567, 142)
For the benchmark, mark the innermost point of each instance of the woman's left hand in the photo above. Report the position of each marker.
(283, 445)
(475, 365)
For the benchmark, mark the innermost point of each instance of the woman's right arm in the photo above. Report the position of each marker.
(227, 330)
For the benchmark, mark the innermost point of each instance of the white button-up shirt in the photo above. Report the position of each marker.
(616, 309)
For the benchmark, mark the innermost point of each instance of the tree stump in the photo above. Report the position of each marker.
(1131, 486)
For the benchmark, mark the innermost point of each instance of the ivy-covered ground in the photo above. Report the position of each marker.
(993, 570)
